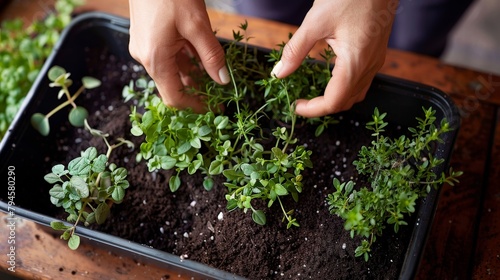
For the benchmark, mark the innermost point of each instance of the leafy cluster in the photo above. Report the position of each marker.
(257, 164)
(78, 114)
(399, 172)
(87, 188)
(23, 50)
(89, 185)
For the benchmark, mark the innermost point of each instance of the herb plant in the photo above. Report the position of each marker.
(256, 165)
(87, 187)
(399, 171)
(23, 50)
(77, 115)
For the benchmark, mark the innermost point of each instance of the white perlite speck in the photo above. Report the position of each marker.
(220, 217)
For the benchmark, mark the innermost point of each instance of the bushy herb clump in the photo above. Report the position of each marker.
(231, 143)
(399, 171)
(90, 184)
(87, 188)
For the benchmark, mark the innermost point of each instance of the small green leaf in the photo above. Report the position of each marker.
(55, 72)
(208, 184)
(79, 166)
(40, 123)
(52, 178)
(80, 186)
(90, 153)
(118, 194)
(280, 190)
(247, 169)
(195, 143)
(136, 130)
(167, 162)
(204, 130)
(319, 130)
(66, 235)
(59, 225)
(216, 167)
(77, 116)
(101, 213)
(74, 242)
(57, 192)
(90, 82)
(183, 148)
(99, 164)
(231, 204)
(221, 122)
(259, 217)
(119, 174)
(90, 218)
(174, 183)
(59, 170)
(232, 175)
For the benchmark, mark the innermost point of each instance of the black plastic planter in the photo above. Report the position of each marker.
(109, 35)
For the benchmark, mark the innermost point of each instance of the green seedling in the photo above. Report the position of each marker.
(87, 187)
(257, 164)
(78, 114)
(399, 171)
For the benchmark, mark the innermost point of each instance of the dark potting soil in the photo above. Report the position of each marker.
(194, 224)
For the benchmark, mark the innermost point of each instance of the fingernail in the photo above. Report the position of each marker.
(224, 75)
(277, 69)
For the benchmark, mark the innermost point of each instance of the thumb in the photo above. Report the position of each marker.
(211, 55)
(294, 53)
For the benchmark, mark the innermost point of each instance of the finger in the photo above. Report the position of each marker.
(294, 52)
(209, 51)
(171, 87)
(188, 68)
(341, 93)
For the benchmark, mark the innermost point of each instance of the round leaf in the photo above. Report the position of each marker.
(40, 123)
(77, 116)
(80, 186)
(57, 192)
(259, 217)
(280, 190)
(101, 213)
(118, 194)
(55, 72)
(90, 82)
(52, 178)
(208, 183)
(74, 242)
(174, 183)
(136, 130)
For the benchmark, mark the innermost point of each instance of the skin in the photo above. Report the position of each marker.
(164, 34)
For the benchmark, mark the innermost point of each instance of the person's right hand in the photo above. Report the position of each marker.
(358, 32)
(163, 36)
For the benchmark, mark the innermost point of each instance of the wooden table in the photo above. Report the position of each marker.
(464, 241)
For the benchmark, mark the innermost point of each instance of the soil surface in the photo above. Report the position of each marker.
(194, 224)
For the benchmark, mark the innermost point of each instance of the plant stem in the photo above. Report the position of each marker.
(71, 100)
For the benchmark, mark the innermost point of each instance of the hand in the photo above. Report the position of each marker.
(358, 32)
(164, 36)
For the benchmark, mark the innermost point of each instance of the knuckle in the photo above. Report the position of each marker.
(290, 51)
(214, 55)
